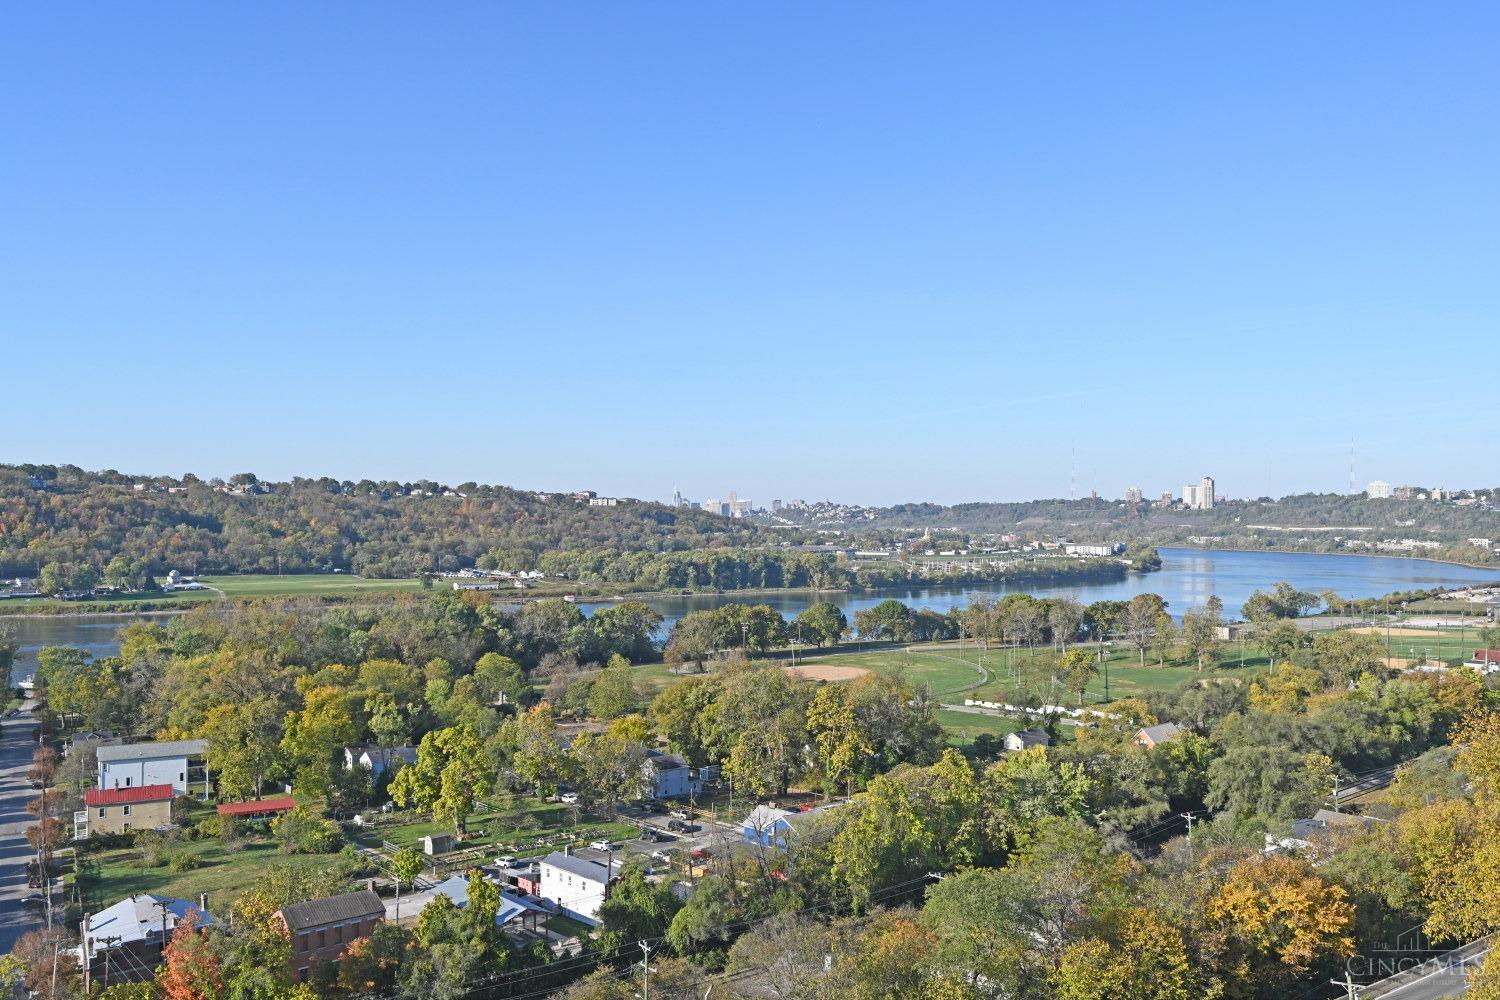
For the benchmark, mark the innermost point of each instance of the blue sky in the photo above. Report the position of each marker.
(875, 252)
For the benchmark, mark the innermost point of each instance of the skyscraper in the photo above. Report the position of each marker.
(1133, 495)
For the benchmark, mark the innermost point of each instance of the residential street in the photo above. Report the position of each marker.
(16, 746)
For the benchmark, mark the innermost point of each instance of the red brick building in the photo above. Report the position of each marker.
(320, 929)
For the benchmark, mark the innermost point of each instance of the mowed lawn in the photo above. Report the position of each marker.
(304, 583)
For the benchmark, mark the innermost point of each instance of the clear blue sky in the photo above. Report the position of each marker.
(875, 252)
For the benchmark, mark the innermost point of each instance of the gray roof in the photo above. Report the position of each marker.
(1161, 731)
(666, 761)
(1032, 737)
(332, 910)
(582, 867)
(138, 918)
(151, 751)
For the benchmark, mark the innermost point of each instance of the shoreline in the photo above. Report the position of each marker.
(1189, 547)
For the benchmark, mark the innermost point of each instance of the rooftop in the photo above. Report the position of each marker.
(149, 751)
(127, 796)
(282, 804)
(138, 918)
(582, 867)
(332, 910)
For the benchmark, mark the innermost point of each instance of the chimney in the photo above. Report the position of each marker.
(370, 884)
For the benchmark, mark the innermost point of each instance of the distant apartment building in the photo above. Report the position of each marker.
(1200, 496)
(1379, 490)
(1167, 499)
(1133, 495)
(715, 506)
(1404, 492)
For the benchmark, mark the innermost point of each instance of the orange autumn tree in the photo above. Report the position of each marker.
(191, 970)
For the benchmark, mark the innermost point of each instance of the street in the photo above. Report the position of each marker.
(17, 742)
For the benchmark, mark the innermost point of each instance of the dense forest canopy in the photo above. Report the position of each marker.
(64, 514)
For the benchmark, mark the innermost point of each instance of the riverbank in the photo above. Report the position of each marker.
(1227, 546)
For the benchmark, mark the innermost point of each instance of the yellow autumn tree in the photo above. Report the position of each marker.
(1279, 917)
(1149, 958)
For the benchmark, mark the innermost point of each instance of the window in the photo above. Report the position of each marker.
(302, 944)
(124, 810)
(127, 782)
(181, 777)
(338, 934)
(302, 974)
(101, 812)
(322, 939)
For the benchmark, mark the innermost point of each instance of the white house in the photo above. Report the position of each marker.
(178, 763)
(671, 777)
(1025, 739)
(377, 760)
(577, 885)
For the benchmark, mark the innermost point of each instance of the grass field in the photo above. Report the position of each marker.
(304, 584)
(509, 829)
(223, 875)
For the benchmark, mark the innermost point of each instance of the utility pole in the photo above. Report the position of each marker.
(1189, 817)
(1336, 793)
(1353, 989)
(645, 971)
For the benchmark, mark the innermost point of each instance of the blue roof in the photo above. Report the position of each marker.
(456, 888)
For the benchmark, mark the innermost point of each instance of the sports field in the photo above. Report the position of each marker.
(300, 584)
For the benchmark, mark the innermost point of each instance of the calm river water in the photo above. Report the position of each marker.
(1187, 579)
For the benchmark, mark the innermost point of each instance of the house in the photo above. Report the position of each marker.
(771, 827)
(100, 736)
(320, 929)
(258, 810)
(1485, 661)
(512, 905)
(577, 885)
(437, 843)
(178, 763)
(1150, 736)
(120, 810)
(1025, 739)
(670, 776)
(1324, 822)
(123, 943)
(525, 876)
(378, 760)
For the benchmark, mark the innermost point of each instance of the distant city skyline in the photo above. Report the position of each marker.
(907, 255)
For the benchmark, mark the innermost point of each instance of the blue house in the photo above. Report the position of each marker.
(671, 777)
(772, 827)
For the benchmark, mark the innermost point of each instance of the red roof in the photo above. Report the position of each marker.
(1487, 655)
(126, 796)
(258, 806)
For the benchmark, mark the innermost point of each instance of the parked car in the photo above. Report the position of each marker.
(602, 845)
(662, 855)
(700, 852)
(649, 834)
(679, 814)
(677, 826)
(507, 861)
(568, 798)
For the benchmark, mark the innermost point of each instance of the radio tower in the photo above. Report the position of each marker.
(1073, 481)
(1351, 465)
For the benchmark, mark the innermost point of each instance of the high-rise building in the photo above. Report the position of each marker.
(775, 506)
(1200, 496)
(1404, 492)
(1133, 495)
(676, 498)
(1379, 490)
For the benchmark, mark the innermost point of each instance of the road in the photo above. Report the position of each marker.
(1444, 977)
(17, 743)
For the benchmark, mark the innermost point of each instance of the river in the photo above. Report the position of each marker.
(1187, 579)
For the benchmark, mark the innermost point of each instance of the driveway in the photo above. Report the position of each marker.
(17, 743)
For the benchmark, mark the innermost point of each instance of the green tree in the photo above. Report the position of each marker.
(449, 775)
(1077, 669)
(823, 624)
(243, 745)
(614, 693)
(840, 744)
(406, 865)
